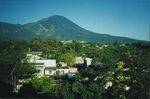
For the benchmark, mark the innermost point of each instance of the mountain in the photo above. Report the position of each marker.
(57, 27)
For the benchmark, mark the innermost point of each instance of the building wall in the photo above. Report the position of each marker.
(88, 61)
(47, 63)
(56, 71)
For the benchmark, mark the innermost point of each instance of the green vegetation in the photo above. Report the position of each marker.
(124, 74)
(11, 66)
(68, 58)
(36, 85)
(43, 84)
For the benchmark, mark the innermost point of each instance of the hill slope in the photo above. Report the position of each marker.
(57, 27)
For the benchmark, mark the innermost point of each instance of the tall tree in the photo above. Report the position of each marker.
(68, 58)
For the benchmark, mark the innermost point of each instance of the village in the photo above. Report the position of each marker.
(50, 67)
(60, 70)
(54, 68)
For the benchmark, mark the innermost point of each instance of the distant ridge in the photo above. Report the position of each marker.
(57, 27)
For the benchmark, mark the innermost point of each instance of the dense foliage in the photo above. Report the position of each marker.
(124, 74)
(11, 66)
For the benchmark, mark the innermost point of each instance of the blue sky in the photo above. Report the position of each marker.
(129, 18)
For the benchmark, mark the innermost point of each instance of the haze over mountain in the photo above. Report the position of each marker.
(57, 27)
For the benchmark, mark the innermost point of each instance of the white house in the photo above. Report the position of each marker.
(47, 62)
(40, 63)
(43, 63)
(48, 66)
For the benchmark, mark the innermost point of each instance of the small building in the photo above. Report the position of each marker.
(40, 63)
(48, 67)
(47, 62)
